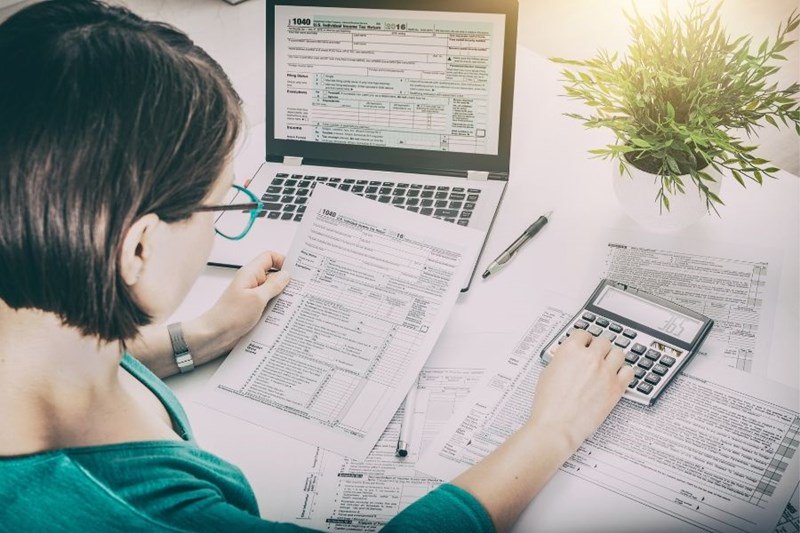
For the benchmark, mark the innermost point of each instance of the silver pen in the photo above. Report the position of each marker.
(509, 252)
(404, 439)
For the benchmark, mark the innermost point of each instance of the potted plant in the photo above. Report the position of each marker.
(677, 103)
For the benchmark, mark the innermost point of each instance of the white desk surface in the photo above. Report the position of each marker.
(550, 170)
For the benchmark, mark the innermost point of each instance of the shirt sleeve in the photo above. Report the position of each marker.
(447, 509)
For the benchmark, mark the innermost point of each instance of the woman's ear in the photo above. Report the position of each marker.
(137, 247)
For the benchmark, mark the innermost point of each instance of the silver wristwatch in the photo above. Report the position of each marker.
(180, 350)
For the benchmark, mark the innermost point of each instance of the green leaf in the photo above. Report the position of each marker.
(738, 176)
(681, 89)
(714, 198)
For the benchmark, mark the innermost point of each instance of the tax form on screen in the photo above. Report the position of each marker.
(424, 80)
(335, 354)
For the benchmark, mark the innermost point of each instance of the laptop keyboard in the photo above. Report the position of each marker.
(287, 196)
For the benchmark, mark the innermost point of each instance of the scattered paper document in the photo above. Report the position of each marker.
(335, 354)
(342, 494)
(717, 451)
(739, 293)
(790, 519)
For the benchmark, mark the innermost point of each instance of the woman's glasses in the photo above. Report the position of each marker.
(240, 210)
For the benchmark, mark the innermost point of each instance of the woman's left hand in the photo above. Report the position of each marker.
(241, 305)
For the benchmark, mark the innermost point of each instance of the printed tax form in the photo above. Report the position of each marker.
(717, 452)
(335, 354)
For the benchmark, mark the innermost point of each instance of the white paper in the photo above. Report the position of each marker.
(341, 494)
(332, 359)
(739, 293)
(790, 519)
(717, 451)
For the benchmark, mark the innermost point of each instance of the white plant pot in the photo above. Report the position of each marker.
(637, 192)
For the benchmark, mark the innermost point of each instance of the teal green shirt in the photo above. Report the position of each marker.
(170, 486)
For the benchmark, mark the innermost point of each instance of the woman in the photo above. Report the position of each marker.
(116, 138)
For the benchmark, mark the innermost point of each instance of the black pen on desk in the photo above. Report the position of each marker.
(509, 252)
(404, 439)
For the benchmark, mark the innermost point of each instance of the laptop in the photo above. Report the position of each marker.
(404, 102)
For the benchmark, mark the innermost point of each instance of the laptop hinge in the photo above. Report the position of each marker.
(293, 161)
(477, 175)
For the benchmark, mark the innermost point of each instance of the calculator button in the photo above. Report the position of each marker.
(629, 333)
(609, 335)
(633, 383)
(638, 349)
(594, 330)
(653, 354)
(616, 328)
(667, 360)
(639, 372)
(652, 379)
(589, 317)
(631, 358)
(660, 370)
(645, 388)
(581, 324)
(602, 322)
(622, 342)
(562, 339)
(645, 363)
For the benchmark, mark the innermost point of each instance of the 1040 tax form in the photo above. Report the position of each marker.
(335, 354)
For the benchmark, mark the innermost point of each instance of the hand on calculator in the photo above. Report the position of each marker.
(583, 382)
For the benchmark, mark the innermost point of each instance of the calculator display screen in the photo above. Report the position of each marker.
(649, 314)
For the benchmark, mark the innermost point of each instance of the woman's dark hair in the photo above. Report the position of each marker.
(104, 117)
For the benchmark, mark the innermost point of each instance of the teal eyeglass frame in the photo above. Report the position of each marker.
(255, 206)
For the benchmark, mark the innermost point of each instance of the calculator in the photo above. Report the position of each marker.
(658, 336)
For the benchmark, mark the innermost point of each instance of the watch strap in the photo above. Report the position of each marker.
(180, 350)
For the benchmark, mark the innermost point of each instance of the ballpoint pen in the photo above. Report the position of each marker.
(404, 440)
(509, 252)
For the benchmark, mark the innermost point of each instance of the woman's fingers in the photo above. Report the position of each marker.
(615, 359)
(254, 273)
(579, 337)
(599, 347)
(274, 285)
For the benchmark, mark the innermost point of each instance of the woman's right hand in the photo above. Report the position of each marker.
(582, 383)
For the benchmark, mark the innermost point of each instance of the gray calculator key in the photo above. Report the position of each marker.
(667, 360)
(639, 372)
(633, 383)
(645, 388)
(581, 324)
(589, 317)
(645, 363)
(652, 379)
(631, 358)
(610, 335)
(616, 328)
(595, 330)
(622, 342)
(653, 354)
(660, 370)
(602, 322)
(629, 333)
(638, 349)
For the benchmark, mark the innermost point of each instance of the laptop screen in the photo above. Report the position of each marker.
(418, 80)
